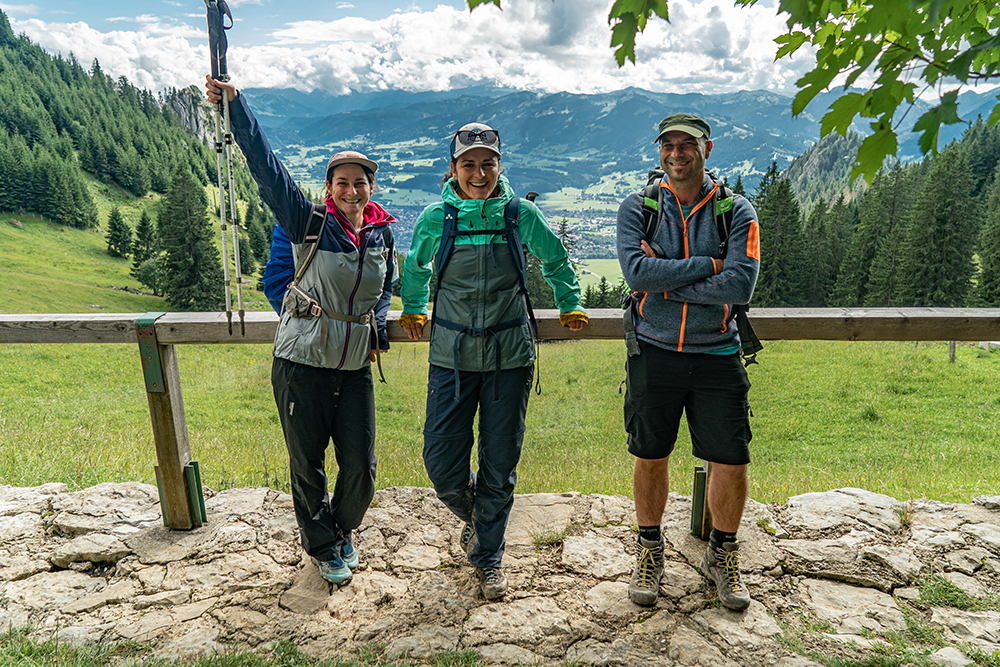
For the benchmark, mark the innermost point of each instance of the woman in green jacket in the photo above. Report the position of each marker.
(482, 349)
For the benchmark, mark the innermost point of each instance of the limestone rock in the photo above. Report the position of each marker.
(600, 557)
(610, 509)
(949, 656)
(20, 526)
(539, 515)
(845, 506)
(963, 626)
(989, 502)
(987, 534)
(51, 590)
(424, 644)
(852, 609)
(91, 548)
(689, 649)
(898, 559)
(752, 627)
(309, 592)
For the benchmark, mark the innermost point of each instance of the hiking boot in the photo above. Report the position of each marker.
(334, 571)
(723, 567)
(350, 555)
(645, 583)
(492, 582)
(469, 539)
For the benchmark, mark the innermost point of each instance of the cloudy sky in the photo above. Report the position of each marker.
(709, 46)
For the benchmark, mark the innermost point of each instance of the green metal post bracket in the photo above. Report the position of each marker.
(196, 499)
(698, 500)
(152, 371)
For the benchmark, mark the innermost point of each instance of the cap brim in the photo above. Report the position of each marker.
(465, 149)
(352, 160)
(681, 127)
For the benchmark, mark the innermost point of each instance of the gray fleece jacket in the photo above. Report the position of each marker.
(685, 305)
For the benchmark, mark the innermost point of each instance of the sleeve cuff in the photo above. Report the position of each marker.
(412, 318)
(573, 316)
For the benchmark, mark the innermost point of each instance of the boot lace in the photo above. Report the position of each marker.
(649, 561)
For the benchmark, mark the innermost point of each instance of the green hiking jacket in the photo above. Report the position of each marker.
(481, 288)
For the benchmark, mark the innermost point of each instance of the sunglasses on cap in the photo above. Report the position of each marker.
(488, 138)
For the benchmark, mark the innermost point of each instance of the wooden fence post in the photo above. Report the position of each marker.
(166, 412)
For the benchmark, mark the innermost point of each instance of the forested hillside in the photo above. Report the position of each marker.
(57, 119)
(925, 234)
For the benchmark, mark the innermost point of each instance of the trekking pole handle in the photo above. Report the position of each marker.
(217, 42)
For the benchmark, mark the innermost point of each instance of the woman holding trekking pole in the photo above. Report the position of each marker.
(332, 328)
(482, 348)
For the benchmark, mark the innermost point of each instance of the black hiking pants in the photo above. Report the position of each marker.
(316, 405)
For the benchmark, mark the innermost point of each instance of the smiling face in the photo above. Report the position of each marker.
(477, 172)
(683, 157)
(350, 188)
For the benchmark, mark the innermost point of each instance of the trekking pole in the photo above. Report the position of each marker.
(217, 46)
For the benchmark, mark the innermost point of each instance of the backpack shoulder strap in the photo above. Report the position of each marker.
(447, 241)
(652, 203)
(318, 213)
(511, 217)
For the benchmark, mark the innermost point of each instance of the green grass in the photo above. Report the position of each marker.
(49, 268)
(594, 269)
(78, 414)
(17, 650)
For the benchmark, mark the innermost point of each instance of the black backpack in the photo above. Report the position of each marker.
(722, 203)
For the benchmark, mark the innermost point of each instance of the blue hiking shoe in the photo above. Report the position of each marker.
(335, 571)
(350, 555)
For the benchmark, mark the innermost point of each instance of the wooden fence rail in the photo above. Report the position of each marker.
(158, 333)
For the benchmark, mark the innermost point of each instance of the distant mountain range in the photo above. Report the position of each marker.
(550, 141)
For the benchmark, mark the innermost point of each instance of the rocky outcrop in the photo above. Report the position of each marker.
(97, 565)
(193, 111)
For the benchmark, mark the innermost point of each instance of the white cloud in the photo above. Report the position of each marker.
(545, 45)
(147, 61)
(19, 9)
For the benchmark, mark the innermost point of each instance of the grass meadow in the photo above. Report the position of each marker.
(895, 418)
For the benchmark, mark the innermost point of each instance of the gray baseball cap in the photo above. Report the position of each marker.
(475, 135)
(684, 122)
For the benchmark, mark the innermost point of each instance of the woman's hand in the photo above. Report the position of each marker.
(576, 325)
(214, 90)
(375, 357)
(414, 331)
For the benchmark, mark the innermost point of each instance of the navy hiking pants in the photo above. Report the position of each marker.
(316, 405)
(482, 499)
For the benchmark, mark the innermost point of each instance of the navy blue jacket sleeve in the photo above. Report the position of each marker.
(280, 268)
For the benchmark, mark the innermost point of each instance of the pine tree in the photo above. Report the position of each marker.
(144, 245)
(119, 236)
(820, 269)
(987, 292)
(936, 264)
(192, 269)
(739, 188)
(884, 219)
(783, 266)
(248, 265)
(539, 291)
(255, 232)
(567, 235)
(766, 182)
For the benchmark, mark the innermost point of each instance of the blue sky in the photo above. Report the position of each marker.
(709, 46)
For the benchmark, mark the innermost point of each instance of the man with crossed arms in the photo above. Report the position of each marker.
(689, 360)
